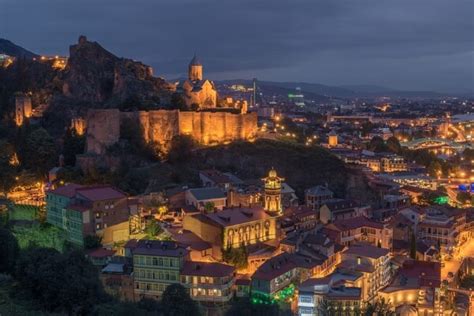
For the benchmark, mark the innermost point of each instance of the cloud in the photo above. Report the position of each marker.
(336, 42)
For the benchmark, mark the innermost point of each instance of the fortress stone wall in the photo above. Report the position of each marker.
(103, 130)
(160, 126)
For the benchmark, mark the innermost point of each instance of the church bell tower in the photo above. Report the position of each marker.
(195, 69)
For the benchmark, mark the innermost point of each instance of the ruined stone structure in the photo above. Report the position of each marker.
(196, 90)
(22, 109)
(160, 126)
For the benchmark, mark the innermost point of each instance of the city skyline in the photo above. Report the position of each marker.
(403, 45)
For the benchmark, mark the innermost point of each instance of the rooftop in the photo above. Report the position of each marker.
(207, 193)
(274, 267)
(356, 222)
(156, 248)
(68, 190)
(320, 190)
(366, 250)
(101, 193)
(236, 216)
(210, 269)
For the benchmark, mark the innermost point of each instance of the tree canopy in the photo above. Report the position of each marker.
(177, 302)
(9, 251)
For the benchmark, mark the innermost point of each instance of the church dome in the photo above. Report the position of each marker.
(272, 173)
(195, 61)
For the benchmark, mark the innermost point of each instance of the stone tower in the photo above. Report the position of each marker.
(195, 69)
(272, 193)
(23, 109)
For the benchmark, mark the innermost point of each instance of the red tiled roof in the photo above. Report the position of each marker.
(100, 193)
(210, 269)
(78, 207)
(356, 222)
(274, 267)
(68, 190)
(101, 253)
(427, 273)
(216, 176)
(235, 216)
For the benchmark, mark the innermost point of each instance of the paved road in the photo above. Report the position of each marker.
(466, 250)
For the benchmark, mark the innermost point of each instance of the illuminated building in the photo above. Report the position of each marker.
(232, 227)
(157, 264)
(337, 290)
(208, 281)
(417, 284)
(332, 139)
(339, 209)
(200, 198)
(95, 210)
(272, 193)
(374, 265)
(196, 90)
(316, 196)
(361, 229)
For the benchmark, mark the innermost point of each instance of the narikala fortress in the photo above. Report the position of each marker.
(209, 125)
(160, 126)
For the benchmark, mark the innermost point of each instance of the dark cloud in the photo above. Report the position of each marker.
(423, 44)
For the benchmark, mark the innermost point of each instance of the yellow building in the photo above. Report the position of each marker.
(196, 90)
(332, 139)
(233, 227)
(272, 193)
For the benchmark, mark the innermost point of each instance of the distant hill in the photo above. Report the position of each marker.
(346, 91)
(315, 89)
(9, 48)
(324, 90)
(374, 90)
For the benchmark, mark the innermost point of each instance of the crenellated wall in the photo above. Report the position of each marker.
(160, 126)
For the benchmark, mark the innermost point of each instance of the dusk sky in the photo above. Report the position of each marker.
(402, 44)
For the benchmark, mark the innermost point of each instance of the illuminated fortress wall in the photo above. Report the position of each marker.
(160, 126)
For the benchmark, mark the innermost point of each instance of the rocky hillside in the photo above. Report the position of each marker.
(95, 75)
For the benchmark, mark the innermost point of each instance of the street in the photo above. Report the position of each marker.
(466, 250)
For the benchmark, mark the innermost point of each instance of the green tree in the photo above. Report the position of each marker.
(463, 197)
(243, 306)
(40, 153)
(8, 168)
(177, 101)
(92, 242)
(434, 168)
(9, 250)
(177, 302)
(59, 282)
(181, 149)
(238, 257)
(393, 145)
(73, 145)
(209, 207)
(153, 229)
(380, 307)
(377, 144)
